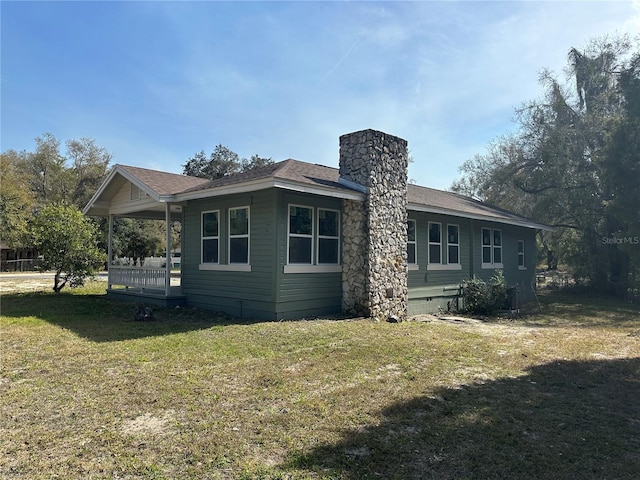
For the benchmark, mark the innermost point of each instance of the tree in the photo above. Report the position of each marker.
(574, 164)
(67, 240)
(220, 163)
(16, 200)
(136, 239)
(89, 167)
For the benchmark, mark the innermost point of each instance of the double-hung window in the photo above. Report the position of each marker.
(210, 237)
(453, 244)
(313, 240)
(239, 235)
(521, 263)
(300, 235)
(435, 243)
(491, 248)
(328, 237)
(412, 253)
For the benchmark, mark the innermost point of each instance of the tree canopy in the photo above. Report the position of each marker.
(220, 163)
(574, 163)
(68, 242)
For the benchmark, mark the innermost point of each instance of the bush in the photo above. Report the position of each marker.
(483, 298)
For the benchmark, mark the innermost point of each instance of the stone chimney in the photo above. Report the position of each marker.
(374, 245)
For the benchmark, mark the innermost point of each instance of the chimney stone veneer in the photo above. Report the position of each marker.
(374, 232)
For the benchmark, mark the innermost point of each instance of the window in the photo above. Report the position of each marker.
(328, 236)
(521, 264)
(210, 237)
(435, 243)
(300, 235)
(239, 235)
(453, 244)
(411, 242)
(491, 248)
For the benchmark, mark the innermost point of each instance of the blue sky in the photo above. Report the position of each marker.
(156, 82)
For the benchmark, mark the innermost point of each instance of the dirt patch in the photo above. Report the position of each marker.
(148, 424)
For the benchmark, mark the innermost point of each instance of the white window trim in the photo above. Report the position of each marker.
(454, 244)
(524, 264)
(444, 266)
(247, 235)
(324, 268)
(491, 246)
(223, 267)
(203, 238)
(318, 237)
(299, 235)
(414, 266)
(429, 243)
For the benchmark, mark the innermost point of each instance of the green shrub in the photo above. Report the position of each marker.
(484, 298)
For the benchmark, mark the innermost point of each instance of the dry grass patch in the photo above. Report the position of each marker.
(88, 393)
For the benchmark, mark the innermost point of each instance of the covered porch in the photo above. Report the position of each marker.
(131, 192)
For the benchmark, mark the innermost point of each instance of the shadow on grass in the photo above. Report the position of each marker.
(100, 319)
(563, 420)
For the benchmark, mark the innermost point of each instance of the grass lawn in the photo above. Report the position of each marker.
(87, 393)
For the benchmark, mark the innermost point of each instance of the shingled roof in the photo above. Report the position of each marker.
(308, 177)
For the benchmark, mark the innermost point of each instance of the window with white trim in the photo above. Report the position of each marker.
(210, 233)
(239, 235)
(328, 237)
(453, 244)
(435, 242)
(300, 235)
(412, 252)
(521, 264)
(491, 248)
(135, 192)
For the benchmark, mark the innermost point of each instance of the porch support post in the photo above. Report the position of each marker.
(167, 285)
(110, 251)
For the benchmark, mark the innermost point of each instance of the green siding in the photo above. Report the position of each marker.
(304, 294)
(428, 290)
(247, 294)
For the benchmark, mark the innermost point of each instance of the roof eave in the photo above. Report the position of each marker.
(474, 216)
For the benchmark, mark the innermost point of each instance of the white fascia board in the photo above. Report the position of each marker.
(473, 216)
(264, 184)
(225, 190)
(96, 195)
(324, 191)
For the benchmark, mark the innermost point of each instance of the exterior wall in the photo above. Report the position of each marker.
(378, 162)
(313, 290)
(434, 288)
(250, 294)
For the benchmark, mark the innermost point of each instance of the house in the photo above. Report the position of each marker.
(294, 239)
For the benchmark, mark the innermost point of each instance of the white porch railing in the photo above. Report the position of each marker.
(138, 277)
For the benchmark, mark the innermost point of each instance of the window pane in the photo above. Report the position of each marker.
(453, 254)
(434, 232)
(497, 238)
(411, 253)
(328, 250)
(486, 254)
(434, 254)
(210, 224)
(497, 255)
(327, 223)
(486, 237)
(452, 233)
(520, 246)
(411, 231)
(239, 250)
(239, 221)
(210, 251)
(300, 220)
(299, 250)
